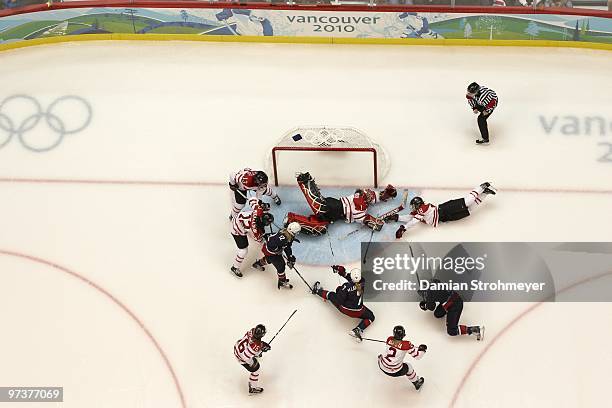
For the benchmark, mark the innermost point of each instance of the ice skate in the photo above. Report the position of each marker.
(479, 332)
(316, 287)
(487, 188)
(236, 271)
(255, 390)
(482, 142)
(284, 283)
(418, 383)
(356, 332)
(257, 265)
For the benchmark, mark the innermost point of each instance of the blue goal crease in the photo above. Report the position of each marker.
(346, 248)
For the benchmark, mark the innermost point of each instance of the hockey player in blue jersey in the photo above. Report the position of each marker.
(273, 249)
(348, 298)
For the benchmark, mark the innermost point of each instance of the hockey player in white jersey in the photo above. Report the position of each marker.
(246, 180)
(247, 350)
(392, 361)
(249, 223)
(431, 214)
(327, 210)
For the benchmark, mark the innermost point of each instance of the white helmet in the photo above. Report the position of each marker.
(294, 228)
(356, 275)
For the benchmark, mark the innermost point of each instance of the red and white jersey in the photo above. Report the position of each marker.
(244, 222)
(245, 180)
(355, 207)
(393, 358)
(246, 348)
(427, 214)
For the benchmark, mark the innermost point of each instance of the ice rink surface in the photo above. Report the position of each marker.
(115, 246)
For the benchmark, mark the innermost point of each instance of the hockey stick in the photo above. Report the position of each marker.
(378, 341)
(279, 330)
(419, 291)
(300, 275)
(365, 256)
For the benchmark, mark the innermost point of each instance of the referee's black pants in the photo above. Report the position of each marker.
(482, 125)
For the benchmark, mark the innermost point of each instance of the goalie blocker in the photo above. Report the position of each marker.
(327, 210)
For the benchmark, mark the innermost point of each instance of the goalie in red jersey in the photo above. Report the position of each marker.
(327, 210)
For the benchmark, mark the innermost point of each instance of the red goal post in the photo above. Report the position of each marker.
(323, 139)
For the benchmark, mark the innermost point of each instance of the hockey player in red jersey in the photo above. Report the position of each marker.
(326, 210)
(247, 223)
(348, 298)
(273, 249)
(450, 304)
(246, 351)
(392, 361)
(249, 180)
(431, 214)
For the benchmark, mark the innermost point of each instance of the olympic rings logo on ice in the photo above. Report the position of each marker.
(13, 122)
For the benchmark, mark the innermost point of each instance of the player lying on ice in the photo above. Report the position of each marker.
(392, 362)
(247, 223)
(431, 214)
(326, 210)
(273, 249)
(450, 304)
(348, 298)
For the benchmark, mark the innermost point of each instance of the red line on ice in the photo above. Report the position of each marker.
(507, 328)
(117, 302)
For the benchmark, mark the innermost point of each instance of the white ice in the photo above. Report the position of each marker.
(115, 248)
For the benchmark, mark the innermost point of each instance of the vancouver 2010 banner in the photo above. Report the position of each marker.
(258, 22)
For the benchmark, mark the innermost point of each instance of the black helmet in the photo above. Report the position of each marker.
(261, 178)
(399, 332)
(416, 203)
(259, 331)
(473, 88)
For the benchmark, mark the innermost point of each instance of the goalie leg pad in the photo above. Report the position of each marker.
(313, 195)
(453, 210)
(310, 225)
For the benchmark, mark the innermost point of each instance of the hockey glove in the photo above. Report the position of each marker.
(430, 306)
(440, 311)
(264, 206)
(233, 187)
(423, 348)
(265, 347)
(392, 218)
(290, 261)
(475, 110)
(277, 200)
(339, 269)
(388, 192)
(423, 305)
(400, 232)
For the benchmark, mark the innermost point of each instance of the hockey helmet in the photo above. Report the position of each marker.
(416, 203)
(264, 220)
(259, 331)
(261, 178)
(294, 228)
(473, 88)
(356, 275)
(399, 333)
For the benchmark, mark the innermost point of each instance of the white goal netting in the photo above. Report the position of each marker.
(333, 155)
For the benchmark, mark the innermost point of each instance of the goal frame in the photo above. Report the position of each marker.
(324, 149)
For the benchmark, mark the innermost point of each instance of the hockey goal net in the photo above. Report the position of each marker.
(333, 155)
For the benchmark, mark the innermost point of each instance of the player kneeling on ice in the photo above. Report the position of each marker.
(392, 361)
(246, 351)
(348, 298)
(329, 209)
(273, 250)
(249, 223)
(450, 304)
(431, 214)
(246, 179)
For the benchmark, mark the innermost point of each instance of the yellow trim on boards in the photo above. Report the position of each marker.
(302, 40)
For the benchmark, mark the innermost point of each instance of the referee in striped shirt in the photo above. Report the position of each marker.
(484, 101)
